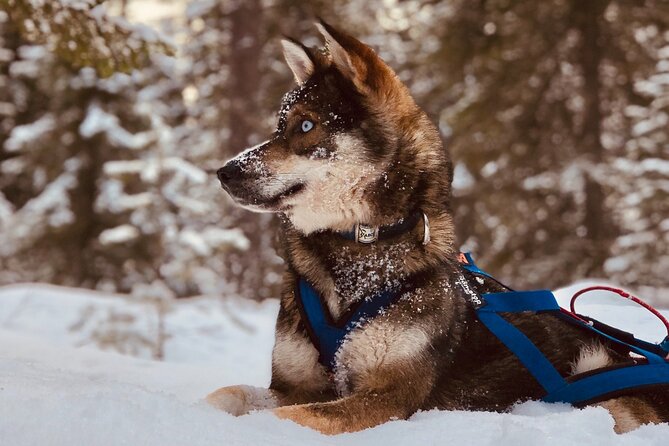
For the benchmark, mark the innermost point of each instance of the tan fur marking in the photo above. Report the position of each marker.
(334, 197)
(379, 344)
(630, 413)
(297, 359)
(372, 404)
(302, 416)
(351, 414)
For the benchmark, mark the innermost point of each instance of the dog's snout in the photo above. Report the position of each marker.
(229, 173)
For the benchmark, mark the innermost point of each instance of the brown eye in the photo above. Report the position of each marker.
(306, 126)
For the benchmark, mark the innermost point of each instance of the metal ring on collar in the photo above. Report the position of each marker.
(426, 229)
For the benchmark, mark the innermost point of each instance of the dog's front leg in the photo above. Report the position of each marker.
(403, 392)
(385, 371)
(350, 414)
(240, 400)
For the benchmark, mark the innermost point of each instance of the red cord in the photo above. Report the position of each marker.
(621, 293)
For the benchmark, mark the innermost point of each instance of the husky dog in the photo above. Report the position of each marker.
(351, 147)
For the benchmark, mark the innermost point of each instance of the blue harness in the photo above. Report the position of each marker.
(327, 336)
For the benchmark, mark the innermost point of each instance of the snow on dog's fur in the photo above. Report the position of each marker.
(351, 146)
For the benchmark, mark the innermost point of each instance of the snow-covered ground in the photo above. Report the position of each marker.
(61, 383)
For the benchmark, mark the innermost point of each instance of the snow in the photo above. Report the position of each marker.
(202, 330)
(232, 237)
(149, 169)
(193, 173)
(7, 209)
(119, 234)
(22, 135)
(26, 66)
(50, 209)
(206, 241)
(195, 241)
(99, 121)
(199, 7)
(100, 14)
(462, 178)
(655, 122)
(645, 167)
(57, 387)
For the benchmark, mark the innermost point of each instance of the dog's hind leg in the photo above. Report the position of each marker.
(630, 412)
(240, 400)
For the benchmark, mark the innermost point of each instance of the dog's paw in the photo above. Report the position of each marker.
(233, 400)
(240, 400)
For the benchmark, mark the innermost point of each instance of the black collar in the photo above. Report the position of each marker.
(367, 234)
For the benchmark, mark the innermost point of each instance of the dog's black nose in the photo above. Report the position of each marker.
(229, 173)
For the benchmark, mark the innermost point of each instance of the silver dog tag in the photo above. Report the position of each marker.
(366, 234)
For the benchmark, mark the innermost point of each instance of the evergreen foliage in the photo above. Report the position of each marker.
(556, 114)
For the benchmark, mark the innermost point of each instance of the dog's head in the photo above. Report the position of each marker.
(338, 134)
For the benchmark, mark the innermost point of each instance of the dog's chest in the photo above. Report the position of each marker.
(362, 272)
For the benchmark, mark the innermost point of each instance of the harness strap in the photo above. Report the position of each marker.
(581, 390)
(604, 384)
(661, 349)
(517, 301)
(467, 262)
(525, 350)
(515, 340)
(325, 333)
(637, 346)
(472, 297)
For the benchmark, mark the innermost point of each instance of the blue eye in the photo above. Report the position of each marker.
(307, 125)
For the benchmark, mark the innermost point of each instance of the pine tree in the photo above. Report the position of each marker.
(96, 189)
(537, 98)
(82, 34)
(556, 115)
(640, 179)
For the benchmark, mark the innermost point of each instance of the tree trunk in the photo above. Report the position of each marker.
(249, 270)
(597, 217)
(244, 78)
(124, 8)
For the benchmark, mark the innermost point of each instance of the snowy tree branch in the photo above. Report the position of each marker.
(82, 34)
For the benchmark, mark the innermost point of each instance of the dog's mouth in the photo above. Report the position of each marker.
(276, 200)
(261, 204)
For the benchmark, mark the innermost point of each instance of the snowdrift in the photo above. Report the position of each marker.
(59, 387)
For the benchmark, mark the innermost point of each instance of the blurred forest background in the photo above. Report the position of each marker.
(114, 114)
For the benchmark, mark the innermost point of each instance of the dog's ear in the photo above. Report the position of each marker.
(355, 60)
(298, 59)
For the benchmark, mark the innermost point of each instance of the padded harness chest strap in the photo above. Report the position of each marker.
(325, 333)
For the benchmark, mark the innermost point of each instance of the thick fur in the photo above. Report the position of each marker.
(372, 156)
